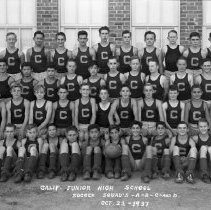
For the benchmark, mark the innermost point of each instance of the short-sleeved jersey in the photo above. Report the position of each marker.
(17, 112)
(84, 112)
(28, 90)
(136, 85)
(30, 144)
(63, 116)
(183, 148)
(51, 91)
(173, 115)
(125, 114)
(83, 61)
(39, 114)
(203, 143)
(102, 116)
(13, 61)
(38, 61)
(150, 113)
(137, 148)
(194, 60)
(206, 88)
(160, 145)
(124, 60)
(195, 114)
(145, 60)
(183, 87)
(5, 89)
(95, 89)
(171, 58)
(60, 61)
(102, 56)
(114, 85)
(73, 88)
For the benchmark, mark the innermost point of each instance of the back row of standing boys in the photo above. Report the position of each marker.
(46, 100)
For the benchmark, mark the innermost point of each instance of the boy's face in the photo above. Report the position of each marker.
(26, 71)
(71, 67)
(150, 40)
(196, 93)
(11, 40)
(52, 131)
(94, 134)
(172, 37)
(134, 64)
(136, 130)
(103, 95)
(85, 90)
(126, 38)
(112, 64)
(195, 41)
(181, 65)
(3, 67)
(51, 72)
(182, 129)
(203, 127)
(9, 132)
(173, 94)
(114, 134)
(62, 94)
(60, 40)
(161, 130)
(16, 92)
(82, 39)
(40, 94)
(148, 91)
(104, 35)
(72, 136)
(153, 67)
(207, 67)
(32, 133)
(93, 70)
(125, 92)
(39, 39)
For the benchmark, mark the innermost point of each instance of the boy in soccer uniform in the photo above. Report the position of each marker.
(135, 79)
(114, 79)
(104, 50)
(18, 110)
(72, 81)
(93, 152)
(95, 82)
(13, 56)
(173, 110)
(182, 80)
(38, 56)
(126, 109)
(40, 109)
(27, 82)
(8, 152)
(194, 55)
(83, 55)
(51, 84)
(184, 154)
(60, 55)
(195, 110)
(203, 144)
(160, 150)
(150, 111)
(125, 52)
(63, 112)
(158, 81)
(171, 53)
(85, 112)
(5, 81)
(150, 52)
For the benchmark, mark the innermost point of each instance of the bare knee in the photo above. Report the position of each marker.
(125, 149)
(64, 148)
(193, 152)
(2, 151)
(9, 151)
(97, 150)
(203, 152)
(166, 152)
(89, 150)
(45, 148)
(33, 151)
(149, 151)
(75, 148)
(21, 151)
(175, 150)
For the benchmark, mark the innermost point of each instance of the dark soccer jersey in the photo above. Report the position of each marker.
(29, 144)
(102, 116)
(194, 60)
(84, 112)
(203, 143)
(206, 88)
(5, 89)
(183, 148)
(17, 112)
(208, 54)
(51, 91)
(60, 61)
(95, 89)
(28, 90)
(39, 114)
(160, 145)
(137, 148)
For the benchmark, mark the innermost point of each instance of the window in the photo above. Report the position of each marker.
(87, 15)
(18, 16)
(159, 16)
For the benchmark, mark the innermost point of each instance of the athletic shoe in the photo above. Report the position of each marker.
(64, 177)
(96, 175)
(206, 179)
(190, 179)
(125, 177)
(117, 175)
(86, 175)
(166, 176)
(27, 177)
(51, 175)
(179, 178)
(4, 178)
(41, 175)
(110, 175)
(146, 179)
(72, 176)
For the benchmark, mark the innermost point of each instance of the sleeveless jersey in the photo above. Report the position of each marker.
(203, 143)
(194, 60)
(28, 90)
(137, 148)
(5, 89)
(136, 85)
(39, 114)
(38, 61)
(206, 88)
(195, 114)
(17, 112)
(113, 85)
(160, 145)
(208, 54)
(145, 59)
(183, 148)
(124, 60)
(95, 89)
(29, 144)
(60, 61)
(171, 58)
(51, 91)
(84, 112)
(173, 115)
(125, 114)
(73, 88)
(183, 87)
(159, 90)
(150, 113)
(13, 61)
(102, 56)
(14, 146)
(63, 116)
(83, 60)
(102, 116)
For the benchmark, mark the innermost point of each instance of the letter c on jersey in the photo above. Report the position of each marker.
(181, 86)
(174, 114)
(83, 59)
(150, 114)
(208, 88)
(85, 112)
(124, 114)
(196, 115)
(38, 115)
(17, 113)
(104, 55)
(126, 59)
(113, 85)
(38, 59)
(133, 85)
(194, 61)
(61, 61)
(63, 115)
(11, 61)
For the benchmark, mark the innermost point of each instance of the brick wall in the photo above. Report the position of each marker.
(191, 19)
(118, 18)
(48, 20)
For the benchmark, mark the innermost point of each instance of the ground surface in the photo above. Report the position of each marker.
(162, 195)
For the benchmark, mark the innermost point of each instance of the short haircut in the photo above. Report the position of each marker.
(182, 58)
(155, 61)
(203, 120)
(11, 33)
(112, 57)
(26, 64)
(103, 88)
(39, 32)
(173, 88)
(134, 58)
(192, 34)
(93, 63)
(114, 127)
(196, 86)
(16, 85)
(61, 34)
(63, 87)
(38, 87)
(205, 60)
(126, 32)
(2, 60)
(104, 28)
(149, 32)
(72, 128)
(72, 60)
(31, 126)
(84, 84)
(50, 65)
(93, 126)
(135, 122)
(182, 123)
(172, 31)
(161, 123)
(51, 125)
(10, 125)
(148, 84)
(82, 33)
(125, 85)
